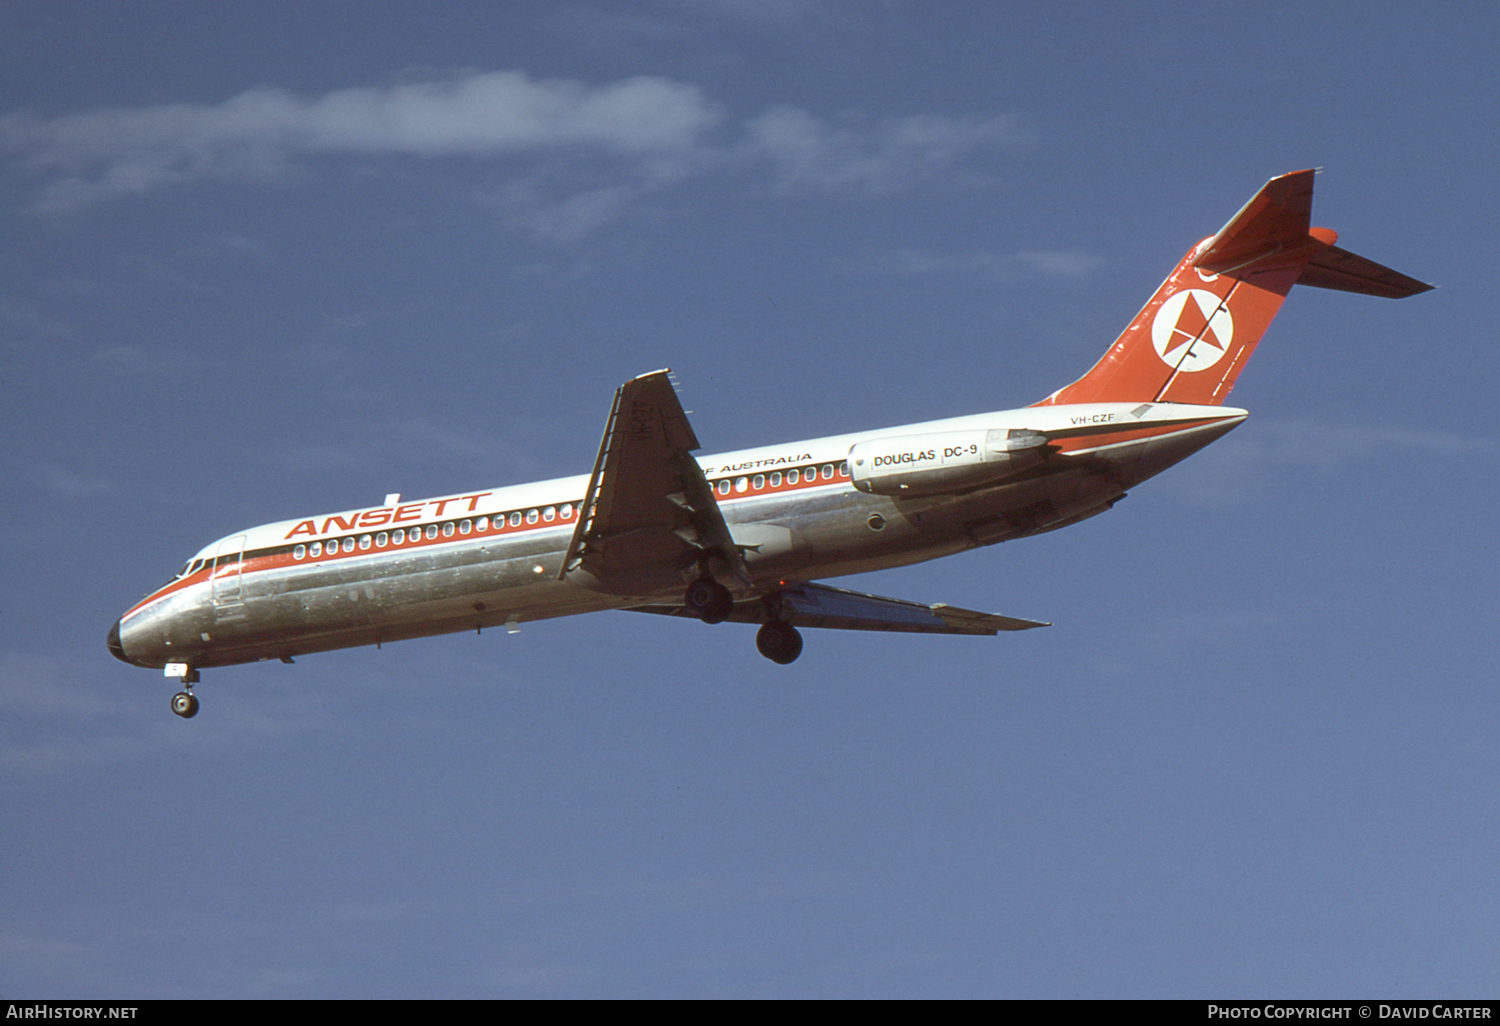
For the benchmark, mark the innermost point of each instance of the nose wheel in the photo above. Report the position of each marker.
(184, 703)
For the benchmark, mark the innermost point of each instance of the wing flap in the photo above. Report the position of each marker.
(819, 605)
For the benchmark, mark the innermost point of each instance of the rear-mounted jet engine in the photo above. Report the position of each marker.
(952, 461)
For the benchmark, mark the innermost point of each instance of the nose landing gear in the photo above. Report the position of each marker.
(184, 703)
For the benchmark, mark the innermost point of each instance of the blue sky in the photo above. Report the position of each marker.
(273, 260)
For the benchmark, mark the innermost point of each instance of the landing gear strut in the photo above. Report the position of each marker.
(779, 642)
(708, 600)
(184, 703)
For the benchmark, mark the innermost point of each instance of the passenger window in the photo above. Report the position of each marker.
(531, 515)
(776, 479)
(432, 530)
(844, 469)
(549, 514)
(758, 482)
(348, 544)
(380, 540)
(567, 511)
(364, 541)
(398, 536)
(315, 549)
(448, 529)
(724, 487)
(515, 519)
(827, 471)
(299, 552)
(482, 524)
(791, 477)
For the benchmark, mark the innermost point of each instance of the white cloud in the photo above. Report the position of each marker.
(806, 153)
(579, 155)
(103, 154)
(1029, 264)
(65, 483)
(1057, 263)
(564, 213)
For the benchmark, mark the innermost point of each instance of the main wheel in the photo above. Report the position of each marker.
(185, 705)
(779, 642)
(708, 600)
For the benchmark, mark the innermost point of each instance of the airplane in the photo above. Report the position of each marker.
(744, 536)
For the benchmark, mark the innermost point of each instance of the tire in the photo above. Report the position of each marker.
(185, 705)
(779, 642)
(708, 600)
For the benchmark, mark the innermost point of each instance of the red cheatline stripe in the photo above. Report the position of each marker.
(281, 556)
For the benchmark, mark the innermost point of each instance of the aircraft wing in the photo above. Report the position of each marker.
(649, 512)
(818, 605)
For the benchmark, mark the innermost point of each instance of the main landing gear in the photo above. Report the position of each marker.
(779, 642)
(708, 600)
(711, 602)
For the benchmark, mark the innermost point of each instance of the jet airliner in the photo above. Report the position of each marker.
(746, 536)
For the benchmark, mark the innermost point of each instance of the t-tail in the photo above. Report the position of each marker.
(1190, 342)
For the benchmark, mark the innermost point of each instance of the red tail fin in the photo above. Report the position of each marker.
(1190, 342)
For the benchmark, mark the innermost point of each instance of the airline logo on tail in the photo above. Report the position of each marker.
(1189, 317)
(1254, 261)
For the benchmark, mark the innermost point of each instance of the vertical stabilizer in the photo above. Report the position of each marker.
(1191, 340)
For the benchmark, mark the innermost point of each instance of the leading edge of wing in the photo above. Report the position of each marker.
(649, 515)
(819, 605)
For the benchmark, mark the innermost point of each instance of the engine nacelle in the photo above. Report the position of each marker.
(952, 461)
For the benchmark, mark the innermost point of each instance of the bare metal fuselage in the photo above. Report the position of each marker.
(495, 558)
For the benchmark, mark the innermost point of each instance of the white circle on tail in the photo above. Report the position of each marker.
(1193, 318)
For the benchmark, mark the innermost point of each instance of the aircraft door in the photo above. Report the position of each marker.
(229, 603)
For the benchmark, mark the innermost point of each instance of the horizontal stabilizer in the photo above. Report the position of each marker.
(1340, 269)
(1275, 221)
(818, 605)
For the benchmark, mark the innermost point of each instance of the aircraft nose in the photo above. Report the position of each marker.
(113, 641)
